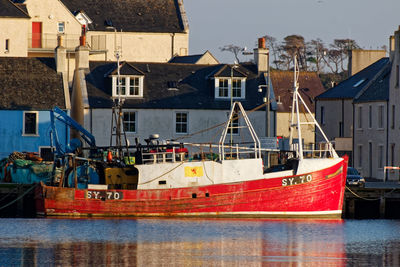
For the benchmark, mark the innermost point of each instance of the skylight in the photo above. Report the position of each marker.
(358, 83)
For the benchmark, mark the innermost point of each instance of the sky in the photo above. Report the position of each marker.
(216, 23)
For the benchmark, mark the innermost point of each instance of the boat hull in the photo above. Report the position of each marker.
(316, 194)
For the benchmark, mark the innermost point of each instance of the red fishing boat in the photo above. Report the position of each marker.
(164, 180)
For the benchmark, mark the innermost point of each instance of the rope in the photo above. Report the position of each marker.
(162, 174)
(205, 170)
(21, 196)
(368, 199)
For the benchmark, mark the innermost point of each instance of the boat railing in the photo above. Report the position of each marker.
(323, 150)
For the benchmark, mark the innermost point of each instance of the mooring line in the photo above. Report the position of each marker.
(368, 199)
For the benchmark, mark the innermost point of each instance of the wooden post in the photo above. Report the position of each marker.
(382, 205)
(352, 208)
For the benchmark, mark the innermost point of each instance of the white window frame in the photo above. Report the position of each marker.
(127, 79)
(61, 23)
(230, 89)
(135, 122)
(176, 122)
(24, 122)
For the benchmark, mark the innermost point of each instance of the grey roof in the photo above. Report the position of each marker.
(194, 86)
(378, 88)
(350, 88)
(192, 59)
(10, 10)
(30, 84)
(131, 15)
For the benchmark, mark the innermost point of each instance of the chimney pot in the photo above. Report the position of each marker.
(261, 42)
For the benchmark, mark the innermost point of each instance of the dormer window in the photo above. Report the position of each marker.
(225, 87)
(130, 86)
(230, 81)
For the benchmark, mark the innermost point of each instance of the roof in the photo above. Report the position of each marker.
(194, 86)
(10, 10)
(378, 88)
(30, 84)
(351, 87)
(132, 15)
(192, 59)
(309, 87)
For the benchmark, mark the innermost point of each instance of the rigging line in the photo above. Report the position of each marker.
(162, 174)
(219, 125)
(205, 170)
(21, 196)
(368, 199)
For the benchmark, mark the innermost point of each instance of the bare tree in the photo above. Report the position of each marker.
(316, 53)
(295, 45)
(344, 46)
(236, 50)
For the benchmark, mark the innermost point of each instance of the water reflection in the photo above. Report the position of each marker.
(198, 242)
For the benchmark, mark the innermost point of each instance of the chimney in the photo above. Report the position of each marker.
(82, 52)
(61, 56)
(261, 56)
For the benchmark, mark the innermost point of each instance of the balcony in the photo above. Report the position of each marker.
(47, 42)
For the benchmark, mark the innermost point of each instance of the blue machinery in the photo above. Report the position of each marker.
(60, 115)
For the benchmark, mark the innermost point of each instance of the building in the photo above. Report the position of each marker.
(29, 89)
(141, 31)
(335, 109)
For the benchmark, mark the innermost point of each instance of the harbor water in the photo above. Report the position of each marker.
(198, 242)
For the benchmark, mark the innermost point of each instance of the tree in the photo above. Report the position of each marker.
(295, 45)
(233, 49)
(316, 54)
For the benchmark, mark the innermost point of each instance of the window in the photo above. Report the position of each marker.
(380, 156)
(360, 154)
(359, 121)
(393, 116)
(234, 125)
(181, 122)
(341, 130)
(369, 117)
(129, 122)
(224, 87)
(322, 115)
(380, 117)
(392, 146)
(30, 126)
(131, 86)
(397, 76)
(237, 88)
(61, 27)
(7, 46)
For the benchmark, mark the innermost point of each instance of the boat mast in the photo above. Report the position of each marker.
(295, 109)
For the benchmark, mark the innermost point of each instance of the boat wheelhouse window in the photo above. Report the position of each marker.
(129, 86)
(181, 122)
(30, 123)
(129, 122)
(225, 87)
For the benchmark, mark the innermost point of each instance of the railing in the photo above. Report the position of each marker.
(70, 41)
(321, 150)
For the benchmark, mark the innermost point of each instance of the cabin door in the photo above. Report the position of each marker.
(36, 34)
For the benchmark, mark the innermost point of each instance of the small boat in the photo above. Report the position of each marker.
(225, 179)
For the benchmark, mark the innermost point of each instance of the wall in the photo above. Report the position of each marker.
(369, 167)
(394, 100)
(360, 59)
(336, 110)
(283, 125)
(11, 133)
(139, 47)
(16, 30)
(162, 122)
(50, 12)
